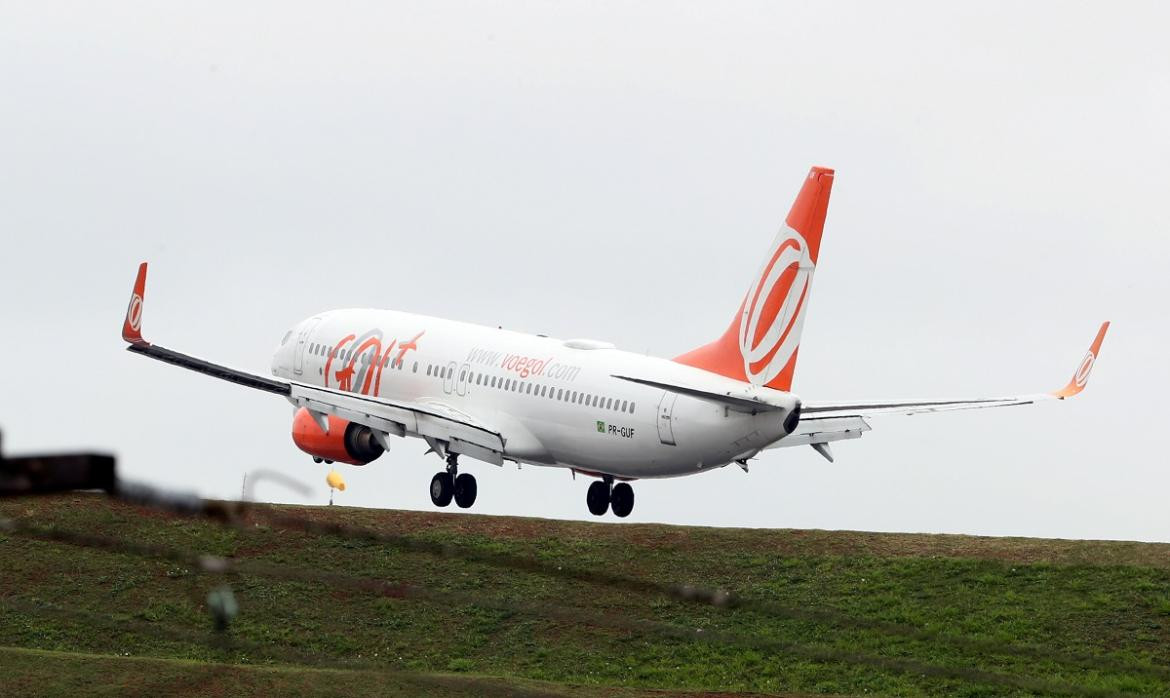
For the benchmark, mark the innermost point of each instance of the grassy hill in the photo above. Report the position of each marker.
(98, 597)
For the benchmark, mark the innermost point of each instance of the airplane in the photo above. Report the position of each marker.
(358, 377)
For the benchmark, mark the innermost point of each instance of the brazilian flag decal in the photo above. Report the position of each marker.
(600, 426)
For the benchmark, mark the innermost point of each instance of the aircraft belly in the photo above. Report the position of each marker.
(704, 436)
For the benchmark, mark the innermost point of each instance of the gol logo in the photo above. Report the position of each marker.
(769, 329)
(134, 312)
(1082, 375)
(364, 359)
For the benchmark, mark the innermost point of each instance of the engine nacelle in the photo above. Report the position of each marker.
(346, 442)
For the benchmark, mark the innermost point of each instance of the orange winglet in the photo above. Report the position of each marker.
(132, 327)
(1081, 377)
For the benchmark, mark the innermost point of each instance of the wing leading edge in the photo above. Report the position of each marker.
(823, 422)
(459, 433)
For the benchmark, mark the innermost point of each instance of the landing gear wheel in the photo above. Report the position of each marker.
(622, 499)
(597, 498)
(442, 488)
(465, 490)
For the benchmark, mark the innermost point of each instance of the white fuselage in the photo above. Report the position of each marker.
(559, 403)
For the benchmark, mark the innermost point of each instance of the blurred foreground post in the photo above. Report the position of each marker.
(46, 474)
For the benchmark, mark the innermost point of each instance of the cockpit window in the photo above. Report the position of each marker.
(286, 336)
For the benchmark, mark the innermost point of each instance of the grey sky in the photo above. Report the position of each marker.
(615, 171)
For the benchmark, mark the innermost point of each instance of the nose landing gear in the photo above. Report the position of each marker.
(450, 484)
(603, 495)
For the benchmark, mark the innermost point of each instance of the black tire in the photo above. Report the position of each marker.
(465, 490)
(442, 488)
(597, 498)
(621, 500)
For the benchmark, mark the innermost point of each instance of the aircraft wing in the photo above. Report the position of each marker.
(824, 422)
(433, 422)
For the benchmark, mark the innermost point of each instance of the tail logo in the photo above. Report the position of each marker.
(134, 312)
(773, 312)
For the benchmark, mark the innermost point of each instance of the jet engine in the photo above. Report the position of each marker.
(346, 441)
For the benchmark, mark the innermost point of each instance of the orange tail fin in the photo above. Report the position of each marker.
(761, 344)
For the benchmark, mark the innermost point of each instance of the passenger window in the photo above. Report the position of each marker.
(560, 393)
(416, 367)
(624, 403)
(462, 376)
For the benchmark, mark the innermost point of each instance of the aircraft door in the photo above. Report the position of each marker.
(665, 412)
(449, 377)
(303, 345)
(461, 383)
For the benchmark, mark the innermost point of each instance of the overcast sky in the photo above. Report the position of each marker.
(614, 171)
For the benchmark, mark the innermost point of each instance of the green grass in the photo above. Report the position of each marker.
(474, 605)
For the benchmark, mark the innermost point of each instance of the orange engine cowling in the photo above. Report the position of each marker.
(346, 442)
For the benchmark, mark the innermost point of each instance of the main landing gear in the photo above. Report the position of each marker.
(449, 485)
(603, 495)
